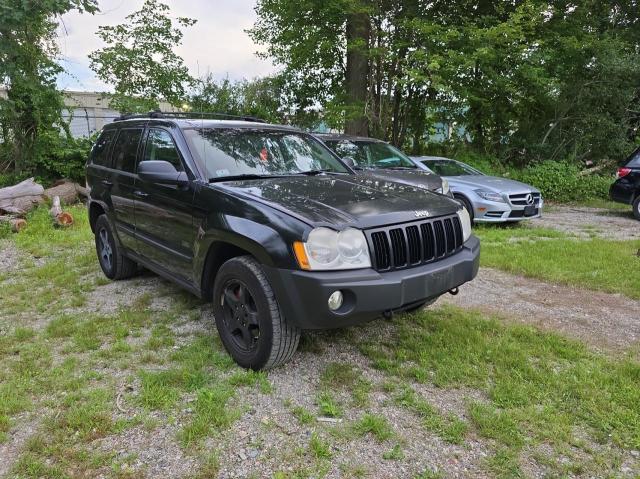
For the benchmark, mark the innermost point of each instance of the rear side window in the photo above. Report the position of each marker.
(634, 159)
(100, 150)
(160, 147)
(125, 149)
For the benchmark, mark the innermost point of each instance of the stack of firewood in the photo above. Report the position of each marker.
(16, 201)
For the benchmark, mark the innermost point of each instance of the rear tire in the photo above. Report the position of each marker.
(115, 265)
(466, 203)
(636, 207)
(248, 317)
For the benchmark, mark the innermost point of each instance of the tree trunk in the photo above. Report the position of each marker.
(357, 73)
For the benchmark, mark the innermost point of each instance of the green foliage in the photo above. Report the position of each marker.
(30, 116)
(560, 181)
(139, 59)
(525, 81)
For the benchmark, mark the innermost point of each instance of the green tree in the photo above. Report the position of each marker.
(139, 59)
(30, 116)
(265, 98)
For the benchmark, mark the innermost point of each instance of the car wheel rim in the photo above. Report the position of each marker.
(106, 252)
(240, 315)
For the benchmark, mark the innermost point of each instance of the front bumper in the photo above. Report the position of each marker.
(495, 212)
(303, 295)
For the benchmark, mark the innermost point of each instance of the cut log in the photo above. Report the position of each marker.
(66, 191)
(56, 209)
(64, 219)
(82, 191)
(17, 224)
(24, 188)
(20, 205)
(21, 198)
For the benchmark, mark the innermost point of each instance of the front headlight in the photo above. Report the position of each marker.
(490, 196)
(444, 187)
(465, 221)
(326, 249)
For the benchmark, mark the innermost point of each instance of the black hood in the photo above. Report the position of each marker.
(339, 200)
(413, 177)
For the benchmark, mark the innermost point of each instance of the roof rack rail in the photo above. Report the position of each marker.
(189, 115)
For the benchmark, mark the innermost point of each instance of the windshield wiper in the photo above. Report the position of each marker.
(246, 176)
(314, 172)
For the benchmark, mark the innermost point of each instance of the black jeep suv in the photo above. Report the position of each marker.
(271, 227)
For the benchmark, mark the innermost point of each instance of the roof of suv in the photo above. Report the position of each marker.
(185, 123)
(342, 136)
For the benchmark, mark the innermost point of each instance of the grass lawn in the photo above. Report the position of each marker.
(543, 396)
(550, 255)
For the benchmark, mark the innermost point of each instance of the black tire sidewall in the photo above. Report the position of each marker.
(236, 269)
(636, 208)
(103, 223)
(467, 205)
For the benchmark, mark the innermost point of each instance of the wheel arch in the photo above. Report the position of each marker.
(95, 210)
(218, 253)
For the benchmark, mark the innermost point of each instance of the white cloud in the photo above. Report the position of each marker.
(217, 43)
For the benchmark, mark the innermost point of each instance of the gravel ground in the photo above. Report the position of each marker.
(587, 222)
(604, 321)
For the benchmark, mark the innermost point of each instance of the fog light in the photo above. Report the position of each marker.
(335, 300)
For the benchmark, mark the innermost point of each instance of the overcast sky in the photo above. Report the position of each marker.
(217, 43)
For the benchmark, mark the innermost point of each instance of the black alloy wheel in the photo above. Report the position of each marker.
(240, 315)
(114, 264)
(249, 320)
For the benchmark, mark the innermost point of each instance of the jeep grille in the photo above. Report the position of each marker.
(413, 244)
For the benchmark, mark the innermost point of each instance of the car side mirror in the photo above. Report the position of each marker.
(349, 161)
(161, 172)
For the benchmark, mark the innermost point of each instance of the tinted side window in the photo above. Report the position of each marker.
(634, 159)
(126, 149)
(100, 150)
(160, 147)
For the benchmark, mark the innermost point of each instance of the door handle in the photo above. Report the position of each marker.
(140, 194)
(107, 183)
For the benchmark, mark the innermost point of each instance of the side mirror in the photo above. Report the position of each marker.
(349, 161)
(161, 172)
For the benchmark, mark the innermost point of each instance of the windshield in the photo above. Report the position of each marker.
(371, 154)
(240, 152)
(450, 168)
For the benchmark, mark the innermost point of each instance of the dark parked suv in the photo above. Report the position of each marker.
(271, 227)
(626, 188)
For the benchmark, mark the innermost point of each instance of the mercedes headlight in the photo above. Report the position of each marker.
(444, 187)
(326, 249)
(490, 196)
(465, 221)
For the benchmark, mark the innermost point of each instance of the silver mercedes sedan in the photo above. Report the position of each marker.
(488, 199)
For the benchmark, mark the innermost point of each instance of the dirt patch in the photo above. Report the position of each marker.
(9, 257)
(589, 222)
(605, 321)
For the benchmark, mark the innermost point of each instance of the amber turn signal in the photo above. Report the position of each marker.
(301, 255)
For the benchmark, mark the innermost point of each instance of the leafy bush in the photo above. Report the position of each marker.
(61, 157)
(560, 181)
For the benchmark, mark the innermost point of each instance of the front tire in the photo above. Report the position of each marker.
(636, 207)
(467, 204)
(248, 317)
(114, 264)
